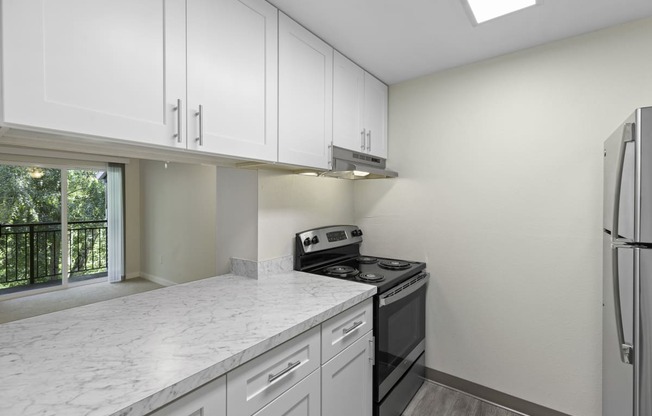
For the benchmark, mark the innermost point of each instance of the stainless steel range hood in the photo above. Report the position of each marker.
(348, 164)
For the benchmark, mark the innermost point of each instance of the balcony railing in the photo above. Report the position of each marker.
(30, 254)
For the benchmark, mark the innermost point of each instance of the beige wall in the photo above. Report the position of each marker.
(132, 218)
(237, 216)
(289, 203)
(501, 193)
(178, 221)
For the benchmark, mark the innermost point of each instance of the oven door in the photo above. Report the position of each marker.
(400, 323)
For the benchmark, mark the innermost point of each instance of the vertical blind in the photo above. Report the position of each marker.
(116, 222)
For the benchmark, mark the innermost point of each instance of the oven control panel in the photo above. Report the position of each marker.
(326, 238)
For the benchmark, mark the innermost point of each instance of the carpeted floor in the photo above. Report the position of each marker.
(28, 306)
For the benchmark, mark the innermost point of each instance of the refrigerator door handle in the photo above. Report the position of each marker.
(628, 136)
(626, 350)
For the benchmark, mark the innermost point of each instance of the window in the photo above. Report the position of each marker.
(37, 202)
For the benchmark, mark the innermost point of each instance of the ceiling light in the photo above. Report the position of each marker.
(483, 10)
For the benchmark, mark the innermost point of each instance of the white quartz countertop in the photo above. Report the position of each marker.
(131, 355)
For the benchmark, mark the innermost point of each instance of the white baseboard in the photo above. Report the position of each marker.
(161, 281)
(132, 275)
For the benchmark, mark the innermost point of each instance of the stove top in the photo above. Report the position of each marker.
(380, 272)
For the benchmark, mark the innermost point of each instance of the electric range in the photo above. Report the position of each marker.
(399, 307)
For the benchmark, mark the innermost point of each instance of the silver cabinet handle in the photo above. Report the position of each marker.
(626, 350)
(628, 136)
(200, 114)
(291, 366)
(178, 109)
(354, 326)
(372, 350)
(363, 134)
(330, 155)
(369, 141)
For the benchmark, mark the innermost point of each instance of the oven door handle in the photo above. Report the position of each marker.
(405, 289)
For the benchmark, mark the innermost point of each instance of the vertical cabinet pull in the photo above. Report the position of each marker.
(178, 109)
(362, 144)
(200, 115)
(369, 141)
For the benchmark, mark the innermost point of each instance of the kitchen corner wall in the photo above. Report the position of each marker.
(501, 193)
(178, 221)
(289, 203)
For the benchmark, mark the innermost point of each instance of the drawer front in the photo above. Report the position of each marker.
(345, 328)
(259, 381)
(209, 399)
(301, 400)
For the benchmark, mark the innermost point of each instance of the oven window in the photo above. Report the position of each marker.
(401, 327)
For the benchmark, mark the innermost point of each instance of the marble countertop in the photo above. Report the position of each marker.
(131, 355)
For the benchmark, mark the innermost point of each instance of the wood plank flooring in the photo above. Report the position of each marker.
(435, 400)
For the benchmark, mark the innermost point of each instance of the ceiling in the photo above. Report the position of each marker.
(397, 40)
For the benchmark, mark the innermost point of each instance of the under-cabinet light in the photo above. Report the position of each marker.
(483, 10)
(360, 173)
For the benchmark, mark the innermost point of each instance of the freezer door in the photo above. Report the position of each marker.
(619, 179)
(618, 296)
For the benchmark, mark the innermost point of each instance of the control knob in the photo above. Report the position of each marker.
(306, 242)
(315, 240)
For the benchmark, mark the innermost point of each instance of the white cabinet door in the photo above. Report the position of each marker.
(110, 68)
(208, 400)
(300, 400)
(375, 115)
(305, 110)
(346, 380)
(359, 109)
(348, 102)
(232, 75)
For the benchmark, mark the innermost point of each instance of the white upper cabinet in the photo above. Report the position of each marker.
(117, 69)
(359, 109)
(103, 68)
(232, 75)
(375, 115)
(348, 104)
(305, 110)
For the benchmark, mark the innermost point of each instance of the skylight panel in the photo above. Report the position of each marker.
(484, 10)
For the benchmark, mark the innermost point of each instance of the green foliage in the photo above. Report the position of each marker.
(25, 199)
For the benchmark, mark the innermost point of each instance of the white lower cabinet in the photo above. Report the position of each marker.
(346, 380)
(301, 400)
(209, 400)
(296, 378)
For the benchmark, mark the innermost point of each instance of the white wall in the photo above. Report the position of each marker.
(178, 221)
(289, 203)
(501, 192)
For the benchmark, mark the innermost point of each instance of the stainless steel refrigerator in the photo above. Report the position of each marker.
(627, 269)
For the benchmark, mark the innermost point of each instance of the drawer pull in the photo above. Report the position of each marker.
(290, 367)
(354, 326)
